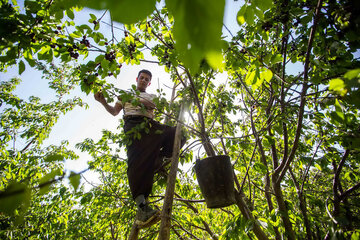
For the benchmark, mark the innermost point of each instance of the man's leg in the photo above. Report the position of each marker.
(142, 154)
(146, 216)
(167, 144)
(141, 167)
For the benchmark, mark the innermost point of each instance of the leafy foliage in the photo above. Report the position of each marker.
(27, 168)
(293, 137)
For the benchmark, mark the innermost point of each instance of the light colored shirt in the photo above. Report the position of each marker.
(130, 109)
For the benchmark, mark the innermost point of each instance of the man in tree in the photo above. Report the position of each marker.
(149, 142)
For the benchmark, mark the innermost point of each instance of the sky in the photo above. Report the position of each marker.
(82, 123)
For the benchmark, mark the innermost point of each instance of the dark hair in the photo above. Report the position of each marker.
(146, 72)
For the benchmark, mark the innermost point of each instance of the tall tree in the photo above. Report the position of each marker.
(293, 137)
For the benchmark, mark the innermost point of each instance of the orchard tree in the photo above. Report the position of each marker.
(293, 137)
(28, 167)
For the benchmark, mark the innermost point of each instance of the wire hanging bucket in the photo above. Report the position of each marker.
(216, 181)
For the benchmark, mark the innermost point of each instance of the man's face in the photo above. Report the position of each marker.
(143, 81)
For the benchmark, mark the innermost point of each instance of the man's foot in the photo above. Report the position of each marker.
(146, 216)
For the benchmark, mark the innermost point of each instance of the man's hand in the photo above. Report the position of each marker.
(147, 104)
(99, 97)
(114, 110)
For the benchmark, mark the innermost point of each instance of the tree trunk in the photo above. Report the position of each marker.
(283, 209)
(165, 225)
(303, 209)
(247, 214)
(134, 232)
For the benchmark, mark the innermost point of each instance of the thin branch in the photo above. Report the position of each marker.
(206, 225)
(347, 193)
(28, 145)
(206, 87)
(336, 181)
(112, 29)
(262, 190)
(177, 234)
(308, 167)
(189, 233)
(207, 144)
(149, 61)
(248, 168)
(247, 89)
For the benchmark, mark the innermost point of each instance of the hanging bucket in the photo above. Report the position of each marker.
(216, 181)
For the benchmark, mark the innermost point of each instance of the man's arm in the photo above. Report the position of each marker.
(114, 110)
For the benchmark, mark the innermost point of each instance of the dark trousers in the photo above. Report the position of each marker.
(149, 142)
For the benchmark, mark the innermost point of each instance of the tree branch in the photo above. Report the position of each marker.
(206, 225)
(347, 193)
(336, 184)
(281, 170)
(206, 141)
(336, 181)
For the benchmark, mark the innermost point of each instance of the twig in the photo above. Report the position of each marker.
(248, 168)
(308, 167)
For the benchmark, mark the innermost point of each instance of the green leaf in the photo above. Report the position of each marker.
(338, 117)
(276, 59)
(215, 59)
(86, 198)
(263, 4)
(97, 26)
(259, 13)
(338, 106)
(105, 64)
(59, 14)
(352, 74)
(70, 14)
(99, 58)
(21, 67)
(267, 59)
(338, 86)
(13, 197)
(92, 18)
(266, 74)
(249, 15)
(75, 34)
(240, 15)
(75, 180)
(270, 139)
(355, 236)
(253, 78)
(46, 181)
(96, 37)
(54, 157)
(30, 61)
(197, 30)
(250, 77)
(125, 11)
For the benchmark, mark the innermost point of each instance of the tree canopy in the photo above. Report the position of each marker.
(293, 137)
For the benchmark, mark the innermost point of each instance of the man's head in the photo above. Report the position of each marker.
(145, 71)
(143, 80)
